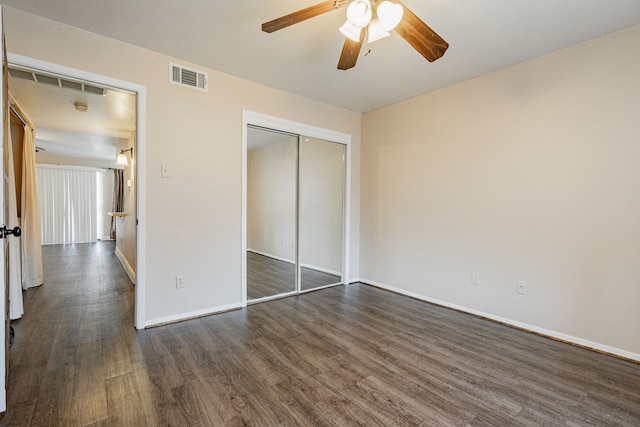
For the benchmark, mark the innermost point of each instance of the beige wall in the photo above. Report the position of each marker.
(529, 173)
(271, 199)
(193, 220)
(126, 233)
(271, 202)
(322, 177)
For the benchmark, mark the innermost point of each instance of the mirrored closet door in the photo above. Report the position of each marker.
(321, 212)
(272, 169)
(295, 213)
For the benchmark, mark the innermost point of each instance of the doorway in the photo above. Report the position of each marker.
(295, 210)
(135, 183)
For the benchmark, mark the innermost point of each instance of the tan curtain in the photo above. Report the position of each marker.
(32, 274)
(16, 309)
(118, 197)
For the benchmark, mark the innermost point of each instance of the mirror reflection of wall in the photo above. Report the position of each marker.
(271, 213)
(322, 171)
(295, 213)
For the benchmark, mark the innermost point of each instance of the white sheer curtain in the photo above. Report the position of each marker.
(16, 309)
(32, 274)
(68, 204)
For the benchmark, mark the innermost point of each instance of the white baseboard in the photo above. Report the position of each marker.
(190, 315)
(524, 326)
(127, 267)
(288, 261)
(322, 270)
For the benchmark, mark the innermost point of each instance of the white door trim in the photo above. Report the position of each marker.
(276, 123)
(141, 152)
(5, 286)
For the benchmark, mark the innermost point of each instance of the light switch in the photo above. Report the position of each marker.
(165, 172)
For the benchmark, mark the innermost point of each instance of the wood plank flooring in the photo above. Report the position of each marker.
(268, 277)
(347, 355)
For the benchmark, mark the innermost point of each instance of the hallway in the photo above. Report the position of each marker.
(77, 332)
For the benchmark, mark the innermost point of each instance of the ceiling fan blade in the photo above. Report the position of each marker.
(302, 15)
(420, 36)
(350, 53)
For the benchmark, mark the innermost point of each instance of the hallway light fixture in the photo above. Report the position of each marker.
(122, 157)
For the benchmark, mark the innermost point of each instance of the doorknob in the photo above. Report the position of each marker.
(4, 231)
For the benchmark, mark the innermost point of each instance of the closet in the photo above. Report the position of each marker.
(295, 213)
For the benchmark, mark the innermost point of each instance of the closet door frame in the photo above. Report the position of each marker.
(279, 124)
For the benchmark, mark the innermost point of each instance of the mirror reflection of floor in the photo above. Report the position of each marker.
(268, 276)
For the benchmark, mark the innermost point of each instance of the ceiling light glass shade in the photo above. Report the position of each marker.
(389, 14)
(359, 13)
(351, 32)
(122, 159)
(376, 32)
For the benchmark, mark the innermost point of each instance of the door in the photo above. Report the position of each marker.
(4, 304)
(271, 213)
(295, 213)
(321, 213)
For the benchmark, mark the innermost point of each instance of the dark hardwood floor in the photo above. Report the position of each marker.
(347, 355)
(268, 277)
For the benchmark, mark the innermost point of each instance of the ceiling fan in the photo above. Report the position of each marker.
(376, 19)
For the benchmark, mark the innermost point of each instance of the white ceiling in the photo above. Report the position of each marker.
(64, 131)
(484, 35)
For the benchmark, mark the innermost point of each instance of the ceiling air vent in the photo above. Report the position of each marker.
(182, 76)
(56, 81)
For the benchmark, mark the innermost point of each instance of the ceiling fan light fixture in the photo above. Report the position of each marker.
(376, 31)
(350, 31)
(359, 13)
(389, 14)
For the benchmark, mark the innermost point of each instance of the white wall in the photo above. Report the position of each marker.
(321, 204)
(271, 202)
(271, 199)
(529, 173)
(52, 159)
(193, 220)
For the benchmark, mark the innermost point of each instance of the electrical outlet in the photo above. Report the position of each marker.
(521, 287)
(475, 278)
(179, 282)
